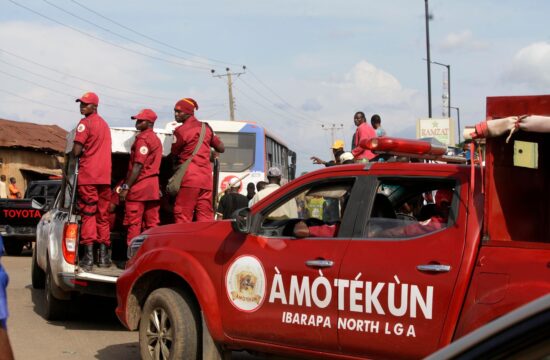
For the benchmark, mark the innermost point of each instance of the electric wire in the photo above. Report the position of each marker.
(150, 38)
(68, 85)
(148, 96)
(83, 79)
(256, 77)
(269, 100)
(279, 114)
(106, 41)
(36, 101)
(122, 36)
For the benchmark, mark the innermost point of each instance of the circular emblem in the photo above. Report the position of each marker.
(81, 128)
(245, 283)
(143, 150)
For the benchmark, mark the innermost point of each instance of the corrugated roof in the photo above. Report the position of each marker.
(32, 136)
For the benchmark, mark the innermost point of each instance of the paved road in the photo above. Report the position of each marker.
(95, 334)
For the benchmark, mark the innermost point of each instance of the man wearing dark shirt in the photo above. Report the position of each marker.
(232, 200)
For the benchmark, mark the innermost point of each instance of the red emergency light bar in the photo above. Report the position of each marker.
(402, 146)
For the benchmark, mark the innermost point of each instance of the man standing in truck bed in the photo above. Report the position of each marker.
(92, 144)
(195, 194)
(141, 188)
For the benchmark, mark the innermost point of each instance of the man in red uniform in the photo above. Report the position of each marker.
(364, 132)
(195, 194)
(141, 188)
(92, 143)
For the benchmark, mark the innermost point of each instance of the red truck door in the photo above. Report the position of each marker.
(398, 274)
(279, 288)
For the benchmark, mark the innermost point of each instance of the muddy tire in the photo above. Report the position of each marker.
(54, 309)
(38, 276)
(169, 327)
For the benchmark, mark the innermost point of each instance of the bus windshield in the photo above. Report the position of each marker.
(239, 151)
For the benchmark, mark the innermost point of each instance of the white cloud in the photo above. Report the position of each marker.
(364, 87)
(462, 41)
(72, 53)
(531, 67)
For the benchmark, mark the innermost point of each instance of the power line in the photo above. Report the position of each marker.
(269, 100)
(148, 37)
(49, 105)
(262, 105)
(121, 36)
(37, 102)
(61, 83)
(83, 79)
(273, 92)
(106, 41)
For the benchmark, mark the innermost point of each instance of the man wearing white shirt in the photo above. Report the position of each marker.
(288, 210)
(3, 187)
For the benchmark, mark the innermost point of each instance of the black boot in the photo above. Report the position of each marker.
(87, 261)
(104, 260)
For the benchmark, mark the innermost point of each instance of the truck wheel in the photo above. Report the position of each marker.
(38, 275)
(13, 247)
(54, 308)
(169, 327)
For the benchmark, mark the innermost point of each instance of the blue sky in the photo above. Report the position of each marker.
(309, 63)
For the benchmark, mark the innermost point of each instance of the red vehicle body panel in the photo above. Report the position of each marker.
(498, 250)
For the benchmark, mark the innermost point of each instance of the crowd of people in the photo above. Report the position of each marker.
(139, 191)
(363, 133)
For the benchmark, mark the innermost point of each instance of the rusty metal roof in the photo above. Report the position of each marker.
(18, 134)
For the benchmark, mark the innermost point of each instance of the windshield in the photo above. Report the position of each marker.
(239, 152)
(49, 190)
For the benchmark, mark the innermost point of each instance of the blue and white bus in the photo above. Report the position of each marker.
(250, 150)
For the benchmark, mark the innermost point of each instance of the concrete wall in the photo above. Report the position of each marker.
(15, 159)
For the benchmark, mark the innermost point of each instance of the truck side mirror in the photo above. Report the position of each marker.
(241, 222)
(39, 202)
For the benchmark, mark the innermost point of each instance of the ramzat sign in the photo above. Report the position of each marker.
(440, 129)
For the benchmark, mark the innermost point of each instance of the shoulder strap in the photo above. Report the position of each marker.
(201, 138)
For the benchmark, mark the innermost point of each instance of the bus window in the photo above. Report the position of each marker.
(239, 151)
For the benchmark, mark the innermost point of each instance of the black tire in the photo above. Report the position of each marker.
(13, 247)
(38, 275)
(54, 309)
(177, 334)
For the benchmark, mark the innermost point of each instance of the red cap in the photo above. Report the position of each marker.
(145, 114)
(187, 105)
(89, 98)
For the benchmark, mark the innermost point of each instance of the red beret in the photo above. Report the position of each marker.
(187, 105)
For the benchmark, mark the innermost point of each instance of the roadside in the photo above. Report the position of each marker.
(93, 332)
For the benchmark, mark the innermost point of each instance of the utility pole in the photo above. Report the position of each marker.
(332, 128)
(458, 120)
(429, 62)
(229, 75)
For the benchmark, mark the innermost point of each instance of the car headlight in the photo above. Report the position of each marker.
(135, 244)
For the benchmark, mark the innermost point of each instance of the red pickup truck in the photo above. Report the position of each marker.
(381, 272)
